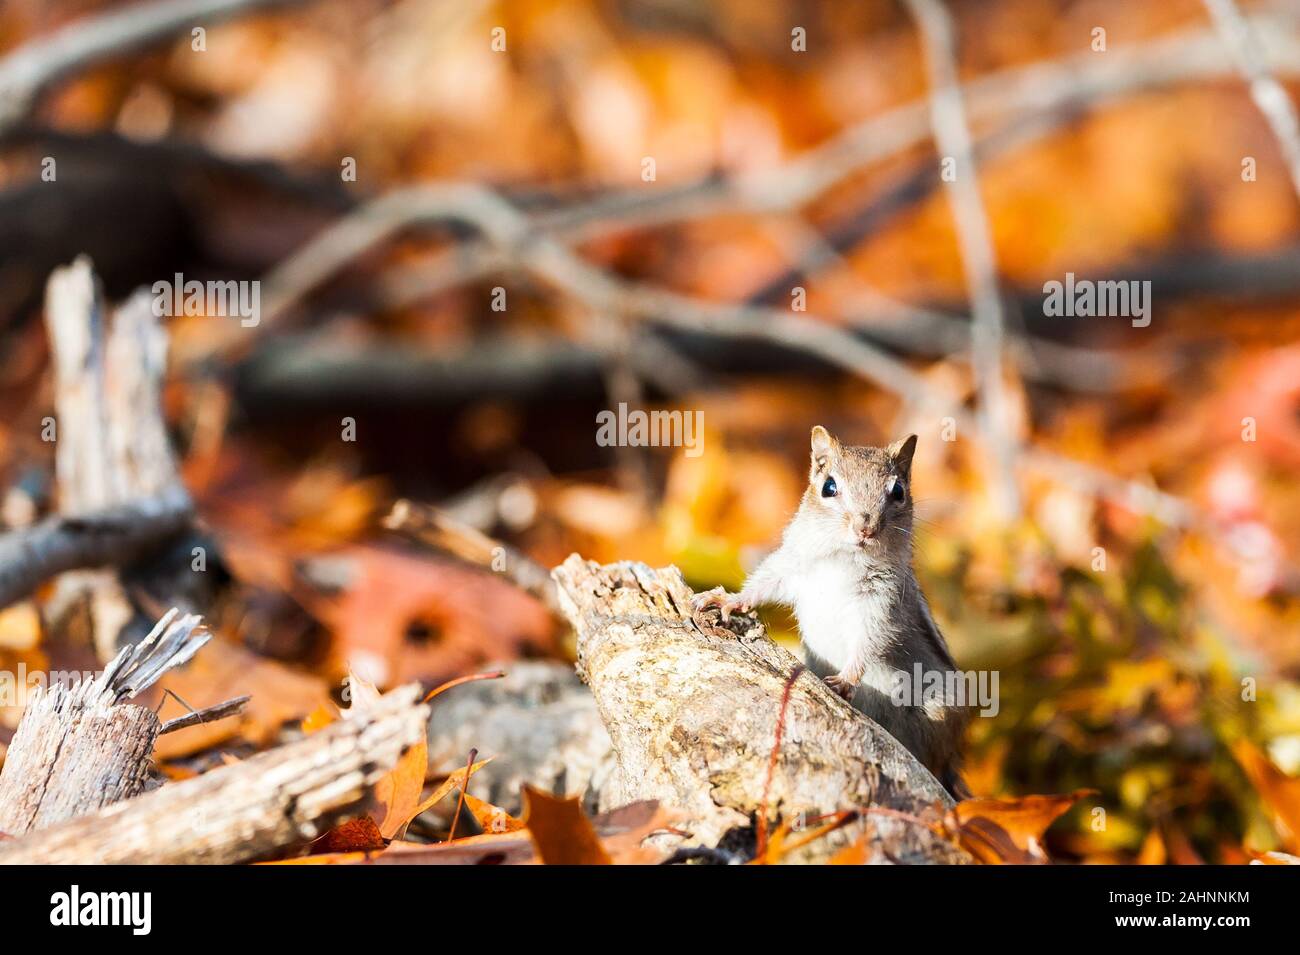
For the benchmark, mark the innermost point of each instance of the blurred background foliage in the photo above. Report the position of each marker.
(1166, 678)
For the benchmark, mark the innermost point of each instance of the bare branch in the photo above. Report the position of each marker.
(522, 247)
(953, 139)
(1042, 97)
(1240, 38)
(28, 71)
(116, 535)
(924, 331)
(1049, 91)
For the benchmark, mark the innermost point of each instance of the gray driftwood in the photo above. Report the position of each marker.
(692, 709)
(80, 745)
(283, 797)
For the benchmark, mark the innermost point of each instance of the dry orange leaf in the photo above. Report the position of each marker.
(858, 853)
(997, 831)
(1281, 793)
(623, 832)
(355, 835)
(1153, 850)
(475, 617)
(561, 830)
(318, 719)
(398, 792)
(492, 819)
(456, 780)
(1274, 858)
(784, 840)
(507, 848)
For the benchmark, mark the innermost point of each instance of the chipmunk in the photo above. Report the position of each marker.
(845, 566)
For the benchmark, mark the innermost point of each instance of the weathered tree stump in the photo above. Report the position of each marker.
(693, 710)
(81, 747)
(120, 496)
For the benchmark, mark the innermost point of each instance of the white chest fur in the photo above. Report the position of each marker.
(842, 610)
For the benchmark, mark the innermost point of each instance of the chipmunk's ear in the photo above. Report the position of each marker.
(901, 451)
(823, 443)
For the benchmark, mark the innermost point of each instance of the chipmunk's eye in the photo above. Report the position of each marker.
(830, 488)
(897, 493)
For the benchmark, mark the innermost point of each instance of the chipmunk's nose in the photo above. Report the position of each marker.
(866, 526)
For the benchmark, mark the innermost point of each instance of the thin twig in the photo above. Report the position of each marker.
(772, 759)
(460, 801)
(979, 265)
(460, 681)
(208, 714)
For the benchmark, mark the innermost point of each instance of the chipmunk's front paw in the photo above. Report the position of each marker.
(841, 685)
(725, 602)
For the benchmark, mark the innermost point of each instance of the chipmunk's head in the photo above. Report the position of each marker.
(862, 495)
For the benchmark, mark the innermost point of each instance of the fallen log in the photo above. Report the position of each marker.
(81, 746)
(695, 712)
(246, 811)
